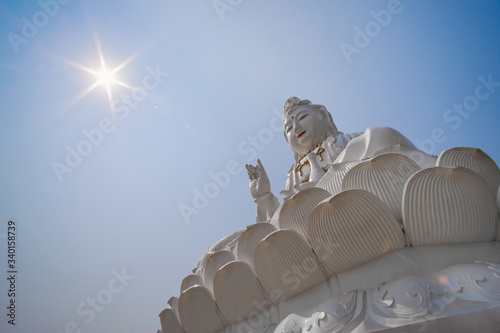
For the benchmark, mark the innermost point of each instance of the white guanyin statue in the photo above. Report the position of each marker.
(316, 144)
(372, 235)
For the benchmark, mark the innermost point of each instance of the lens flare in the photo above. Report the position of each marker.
(105, 76)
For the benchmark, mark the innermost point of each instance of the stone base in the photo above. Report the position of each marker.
(481, 321)
(452, 288)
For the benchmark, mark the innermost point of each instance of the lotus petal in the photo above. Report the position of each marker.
(170, 322)
(286, 265)
(250, 238)
(332, 180)
(174, 303)
(190, 281)
(385, 176)
(448, 206)
(198, 311)
(474, 159)
(238, 293)
(214, 262)
(296, 210)
(275, 218)
(352, 228)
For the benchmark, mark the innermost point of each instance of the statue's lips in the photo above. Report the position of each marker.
(298, 136)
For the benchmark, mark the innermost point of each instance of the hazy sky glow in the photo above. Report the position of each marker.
(95, 175)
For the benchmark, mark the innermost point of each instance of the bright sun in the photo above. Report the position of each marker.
(104, 76)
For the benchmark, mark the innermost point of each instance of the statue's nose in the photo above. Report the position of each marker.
(296, 127)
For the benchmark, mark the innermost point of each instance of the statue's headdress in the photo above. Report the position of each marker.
(294, 102)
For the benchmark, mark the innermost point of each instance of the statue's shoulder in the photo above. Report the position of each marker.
(341, 139)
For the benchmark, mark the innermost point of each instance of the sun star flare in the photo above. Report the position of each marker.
(105, 76)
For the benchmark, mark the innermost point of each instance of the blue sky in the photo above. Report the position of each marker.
(207, 86)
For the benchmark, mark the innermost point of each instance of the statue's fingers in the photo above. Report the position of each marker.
(259, 163)
(261, 167)
(250, 168)
(252, 172)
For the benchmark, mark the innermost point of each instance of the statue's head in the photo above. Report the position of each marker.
(306, 125)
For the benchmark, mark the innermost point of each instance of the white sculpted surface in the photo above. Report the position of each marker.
(316, 144)
(452, 291)
(370, 142)
(474, 159)
(332, 180)
(339, 225)
(422, 159)
(385, 176)
(226, 243)
(339, 314)
(286, 265)
(190, 281)
(448, 206)
(198, 311)
(214, 263)
(169, 321)
(347, 265)
(238, 292)
(274, 220)
(296, 210)
(174, 304)
(250, 238)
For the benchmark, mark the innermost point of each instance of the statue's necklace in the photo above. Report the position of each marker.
(319, 150)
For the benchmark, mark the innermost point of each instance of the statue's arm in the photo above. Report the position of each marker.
(260, 189)
(265, 207)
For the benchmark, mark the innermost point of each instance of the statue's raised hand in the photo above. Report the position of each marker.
(259, 181)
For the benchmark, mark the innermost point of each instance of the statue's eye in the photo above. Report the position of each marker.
(303, 116)
(288, 128)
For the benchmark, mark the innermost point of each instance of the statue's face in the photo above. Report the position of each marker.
(304, 129)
